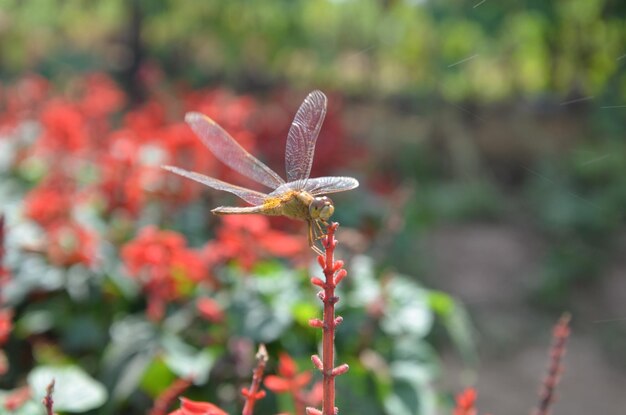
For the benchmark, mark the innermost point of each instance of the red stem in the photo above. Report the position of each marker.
(167, 398)
(254, 393)
(333, 273)
(48, 402)
(555, 368)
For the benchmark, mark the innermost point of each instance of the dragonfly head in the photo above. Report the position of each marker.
(321, 208)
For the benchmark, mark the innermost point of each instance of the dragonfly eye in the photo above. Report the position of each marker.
(321, 208)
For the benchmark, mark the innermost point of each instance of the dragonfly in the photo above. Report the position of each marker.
(299, 197)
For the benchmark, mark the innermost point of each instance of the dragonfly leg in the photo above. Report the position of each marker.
(320, 231)
(313, 238)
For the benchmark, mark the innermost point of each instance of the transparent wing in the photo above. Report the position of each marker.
(229, 152)
(320, 185)
(251, 196)
(303, 135)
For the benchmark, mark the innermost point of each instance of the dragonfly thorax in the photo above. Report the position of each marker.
(321, 208)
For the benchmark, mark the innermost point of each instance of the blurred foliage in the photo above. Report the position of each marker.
(450, 49)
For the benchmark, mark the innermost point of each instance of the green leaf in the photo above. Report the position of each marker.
(74, 390)
(408, 310)
(185, 361)
(412, 391)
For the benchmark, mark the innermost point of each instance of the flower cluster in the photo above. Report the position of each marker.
(164, 266)
(250, 238)
(69, 146)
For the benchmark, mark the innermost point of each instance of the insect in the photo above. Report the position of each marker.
(300, 197)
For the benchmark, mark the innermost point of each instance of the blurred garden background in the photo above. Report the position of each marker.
(489, 141)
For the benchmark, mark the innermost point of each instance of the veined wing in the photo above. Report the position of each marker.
(229, 152)
(302, 136)
(251, 196)
(320, 185)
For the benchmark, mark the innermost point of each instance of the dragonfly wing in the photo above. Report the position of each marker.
(251, 196)
(329, 184)
(303, 135)
(229, 152)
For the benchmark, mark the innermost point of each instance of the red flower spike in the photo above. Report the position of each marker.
(560, 335)
(254, 393)
(317, 362)
(317, 323)
(340, 370)
(317, 281)
(333, 274)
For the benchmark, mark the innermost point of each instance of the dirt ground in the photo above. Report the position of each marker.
(492, 268)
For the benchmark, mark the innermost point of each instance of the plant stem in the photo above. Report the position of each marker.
(169, 396)
(254, 393)
(333, 273)
(555, 367)
(48, 402)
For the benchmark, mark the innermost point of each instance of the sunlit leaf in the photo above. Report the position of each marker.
(186, 361)
(74, 390)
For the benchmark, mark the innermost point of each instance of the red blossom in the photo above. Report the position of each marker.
(101, 96)
(146, 120)
(292, 382)
(249, 238)
(210, 310)
(70, 243)
(6, 324)
(5, 275)
(17, 398)
(64, 128)
(189, 407)
(50, 202)
(22, 100)
(163, 264)
(466, 402)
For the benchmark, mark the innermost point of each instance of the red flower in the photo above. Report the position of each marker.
(22, 100)
(163, 264)
(292, 382)
(69, 244)
(101, 96)
(64, 128)
(189, 407)
(49, 202)
(210, 310)
(248, 238)
(6, 324)
(289, 379)
(466, 402)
